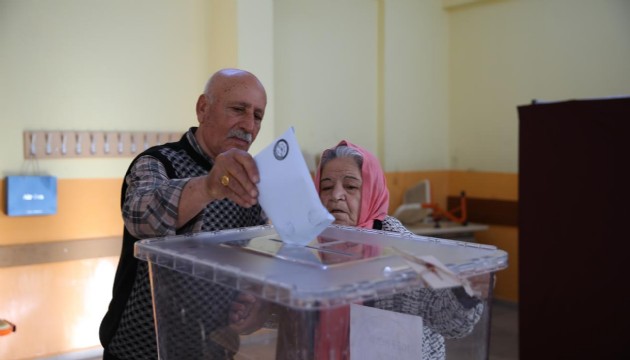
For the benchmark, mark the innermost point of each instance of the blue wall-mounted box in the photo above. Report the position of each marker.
(31, 195)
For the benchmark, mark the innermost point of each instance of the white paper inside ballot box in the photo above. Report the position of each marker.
(382, 334)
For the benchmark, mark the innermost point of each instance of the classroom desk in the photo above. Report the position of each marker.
(448, 230)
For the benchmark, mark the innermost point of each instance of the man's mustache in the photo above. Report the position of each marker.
(241, 135)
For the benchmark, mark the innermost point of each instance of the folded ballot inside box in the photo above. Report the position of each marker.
(244, 293)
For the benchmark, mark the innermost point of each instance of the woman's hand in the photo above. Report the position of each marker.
(248, 314)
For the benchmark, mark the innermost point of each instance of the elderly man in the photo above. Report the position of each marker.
(204, 182)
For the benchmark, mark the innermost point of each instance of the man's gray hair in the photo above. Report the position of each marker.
(342, 151)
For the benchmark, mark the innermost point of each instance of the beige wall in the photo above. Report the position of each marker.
(92, 65)
(445, 80)
(441, 83)
(416, 86)
(255, 21)
(325, 71)
(372, 72)
(506, 53)
(118, 65)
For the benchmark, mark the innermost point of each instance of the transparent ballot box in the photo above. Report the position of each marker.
(351, 293)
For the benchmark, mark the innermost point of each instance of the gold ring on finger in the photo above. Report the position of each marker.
(225, 180)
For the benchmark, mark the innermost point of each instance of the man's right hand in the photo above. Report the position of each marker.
(234, 176)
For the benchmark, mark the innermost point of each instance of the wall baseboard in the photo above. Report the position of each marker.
(88, 354)
(56, 251)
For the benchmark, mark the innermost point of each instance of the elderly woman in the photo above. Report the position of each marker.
(351, 185)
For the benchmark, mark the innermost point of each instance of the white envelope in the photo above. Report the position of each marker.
(287, 194)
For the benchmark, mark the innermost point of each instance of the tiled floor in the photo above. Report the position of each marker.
(504, 331)
(502, 343)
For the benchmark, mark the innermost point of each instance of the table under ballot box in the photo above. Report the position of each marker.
(351, 293)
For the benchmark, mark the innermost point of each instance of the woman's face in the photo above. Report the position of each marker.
(340, 190)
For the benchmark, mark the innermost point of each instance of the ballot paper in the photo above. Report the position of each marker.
(287, 194)
(381, 334)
